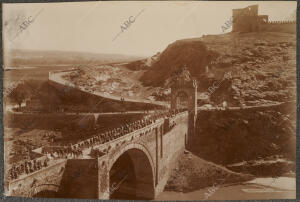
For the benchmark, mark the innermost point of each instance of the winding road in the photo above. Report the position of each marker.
(57, 77)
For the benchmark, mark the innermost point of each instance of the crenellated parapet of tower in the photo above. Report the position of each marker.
(248, 20)
(281, 22)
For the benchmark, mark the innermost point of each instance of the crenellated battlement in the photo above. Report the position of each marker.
(248, 20)
(280, 22)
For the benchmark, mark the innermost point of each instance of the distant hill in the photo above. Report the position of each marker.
(18, 58)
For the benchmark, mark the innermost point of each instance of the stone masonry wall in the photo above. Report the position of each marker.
(46, 179)
(173, 143)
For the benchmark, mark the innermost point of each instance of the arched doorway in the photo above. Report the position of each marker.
(183, 86)
(131, 176)
(182, 100)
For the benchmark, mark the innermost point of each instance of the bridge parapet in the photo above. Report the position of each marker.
(27, 185)
(138, 133)
(130, 137)
(178, 116)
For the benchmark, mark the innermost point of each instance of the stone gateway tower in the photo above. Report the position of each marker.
(184, 85)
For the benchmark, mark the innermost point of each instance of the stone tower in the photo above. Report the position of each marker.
(184, 84)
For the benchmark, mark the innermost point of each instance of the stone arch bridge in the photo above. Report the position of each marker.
(134, 166)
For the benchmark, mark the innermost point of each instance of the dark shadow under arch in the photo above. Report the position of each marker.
(45, 194)
(44, 191)
(131, 176)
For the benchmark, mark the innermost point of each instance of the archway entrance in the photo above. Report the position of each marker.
(182, 100)
(184, 87)
(131, 176)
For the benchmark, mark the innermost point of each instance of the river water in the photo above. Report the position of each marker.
(259, 188)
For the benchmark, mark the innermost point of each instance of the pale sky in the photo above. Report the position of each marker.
(92, 26)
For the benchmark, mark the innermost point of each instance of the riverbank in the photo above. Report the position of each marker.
(196, 179)
(192, 173)
(257, 189)
(272, 166)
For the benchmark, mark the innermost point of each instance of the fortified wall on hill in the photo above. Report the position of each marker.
(248, 20)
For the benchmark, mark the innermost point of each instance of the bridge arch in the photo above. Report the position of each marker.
(131, 173)
(44, 191)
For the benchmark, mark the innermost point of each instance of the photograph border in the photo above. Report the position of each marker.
(15, 199)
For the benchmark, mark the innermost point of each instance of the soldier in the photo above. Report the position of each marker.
(22, 168)
(14, 176)
(38, 166)
(34, 167)
(11, 176)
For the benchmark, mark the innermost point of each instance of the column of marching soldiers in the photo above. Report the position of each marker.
(76, 150)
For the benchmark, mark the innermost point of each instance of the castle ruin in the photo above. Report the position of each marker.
(248, 20)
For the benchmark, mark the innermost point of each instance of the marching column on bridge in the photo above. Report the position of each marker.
(76, 150)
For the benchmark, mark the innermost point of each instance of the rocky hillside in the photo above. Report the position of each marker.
(193, 53)
(262, 66)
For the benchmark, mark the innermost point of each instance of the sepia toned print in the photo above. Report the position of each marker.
(150, 100)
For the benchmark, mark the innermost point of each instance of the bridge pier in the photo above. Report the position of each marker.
(103, 178)
(191, 129)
